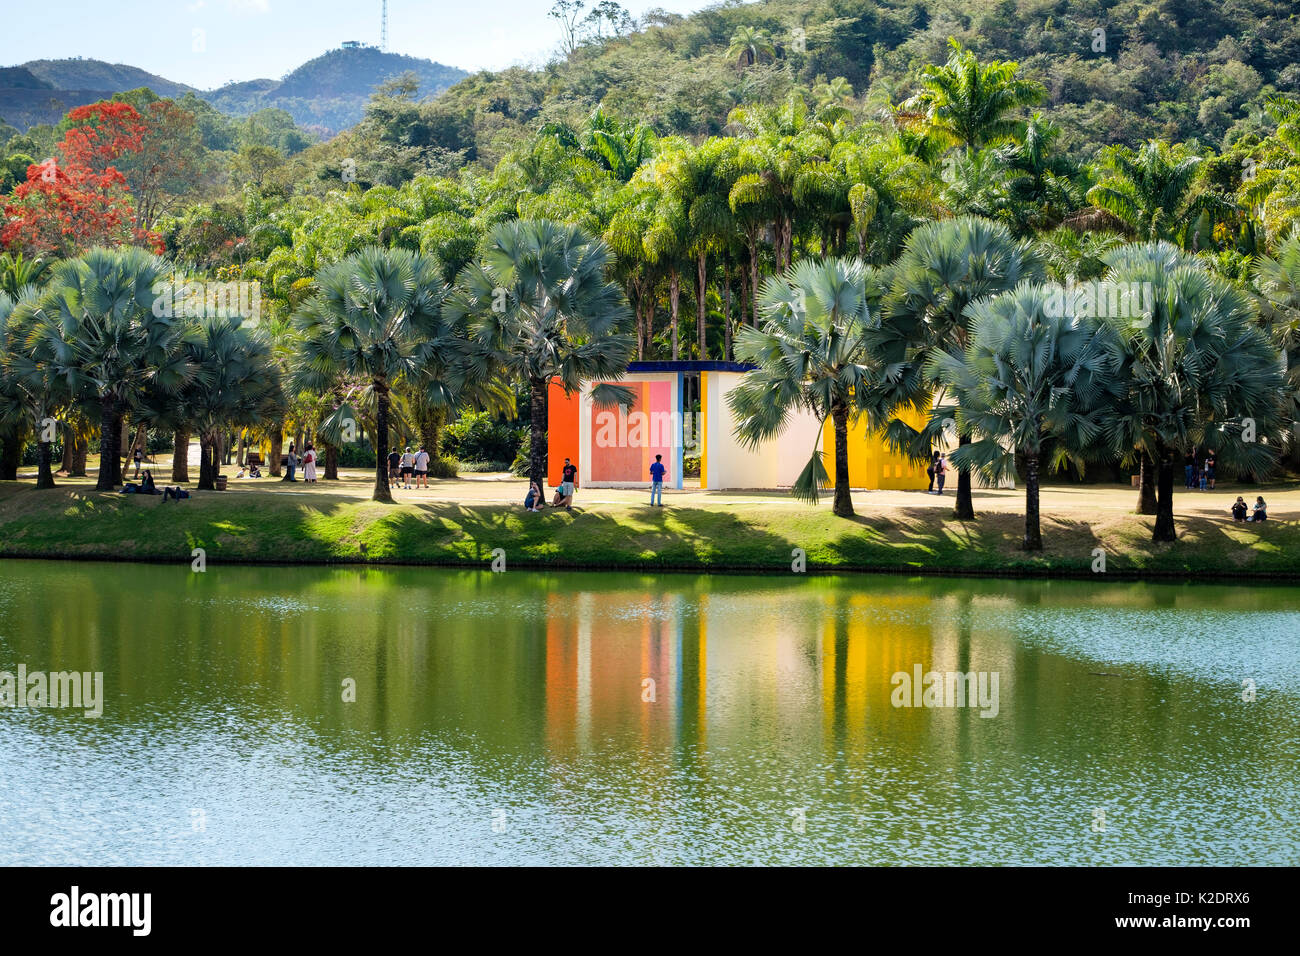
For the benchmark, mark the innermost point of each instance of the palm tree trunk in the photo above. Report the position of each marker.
(1146, 486)
(10, 455)
(843, 502)
(80, 451)
(965, 510)
(1164, 529)
(44, 476)
(753, 281)
(701, 275)
(108, 429)
(331, 462)
(674, 298)
(537, 448)
(69, 450)
(277, 449)
(242, 451)
(382, 491)
(1033, 530)
(181, 455)
(728, 354)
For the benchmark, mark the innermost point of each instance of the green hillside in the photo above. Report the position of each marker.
(1175, 69)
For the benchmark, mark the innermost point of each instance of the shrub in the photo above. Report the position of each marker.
(477, 437)
(481, 467)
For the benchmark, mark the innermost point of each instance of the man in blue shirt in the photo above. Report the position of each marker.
(657, 481)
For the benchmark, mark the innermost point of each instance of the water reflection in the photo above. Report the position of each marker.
(631, 718)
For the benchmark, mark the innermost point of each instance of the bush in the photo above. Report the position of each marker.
(520, 465)
(481, 467)
(691, 467)
(356, 455)
(477, 437)
(444, 467)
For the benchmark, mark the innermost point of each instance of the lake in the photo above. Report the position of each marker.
(274, 715)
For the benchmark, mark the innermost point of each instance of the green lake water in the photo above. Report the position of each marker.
(644, 719)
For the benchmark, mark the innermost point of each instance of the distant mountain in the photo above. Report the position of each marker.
(330, 92)
(327, 94)
(79, 74)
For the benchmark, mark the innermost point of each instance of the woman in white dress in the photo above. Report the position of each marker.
(309, 463)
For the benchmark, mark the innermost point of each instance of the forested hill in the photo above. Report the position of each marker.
(330, 92)
(327, 94)
(1119, 71)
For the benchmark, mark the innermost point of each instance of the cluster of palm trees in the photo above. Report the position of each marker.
(965, 328)
(381, 330)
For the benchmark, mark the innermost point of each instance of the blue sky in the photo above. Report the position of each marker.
(248, 39)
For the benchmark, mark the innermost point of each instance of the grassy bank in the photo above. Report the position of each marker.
(274, 523)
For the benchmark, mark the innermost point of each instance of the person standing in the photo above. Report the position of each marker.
(568, 483)
(929, 470)
(394, 463)
(940, 470)
(309, 464)
(1189, 469)
(657, 472)
(290, 464)
(422, 468)
(1209, 468)
(408, 467)
(139, 457)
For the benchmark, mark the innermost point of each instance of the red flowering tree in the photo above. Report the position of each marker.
(79, 199)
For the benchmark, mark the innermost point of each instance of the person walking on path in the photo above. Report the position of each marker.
(940, 470)
(408, 467)
(422, 468)
(657, 472)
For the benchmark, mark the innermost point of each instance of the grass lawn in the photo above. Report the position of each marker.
(463, 521)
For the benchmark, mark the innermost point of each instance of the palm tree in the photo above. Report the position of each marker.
(17, 271)
(1153, 191)
(973, 104)
(1030, 383)
(236, 385)
(1278, 280)
(378, 320)
(944, 267)
(95, 328)
(541, 309)
(812, 355)
(749, 45)
(836, 92)
(1193, 369)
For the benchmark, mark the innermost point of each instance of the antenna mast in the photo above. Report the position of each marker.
(383, 28)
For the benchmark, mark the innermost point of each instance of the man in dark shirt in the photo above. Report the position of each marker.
(569, 481)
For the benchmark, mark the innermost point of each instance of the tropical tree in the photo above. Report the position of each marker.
(1032, 382)
(1277, 278)
(377, 321)
(812, 354)
(973, 103)
(749, 45)
(541, 309)
(1193, 370)
(945, 266)
(1153, 191)
(94, 327)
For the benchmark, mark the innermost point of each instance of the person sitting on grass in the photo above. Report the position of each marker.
(175, 491)
(1239, 509)
(535, 501)
(1261, 510)
(147, 486)
(254, 471)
